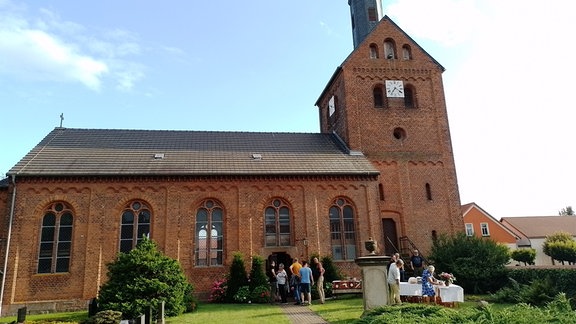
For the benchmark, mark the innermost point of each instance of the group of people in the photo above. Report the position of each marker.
(302, 278)
(396, 274)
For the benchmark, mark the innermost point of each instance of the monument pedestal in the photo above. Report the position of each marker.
(374, 280)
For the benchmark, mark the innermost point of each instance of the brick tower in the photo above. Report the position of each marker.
(386, 101)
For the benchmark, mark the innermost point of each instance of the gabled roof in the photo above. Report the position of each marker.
(467, 207)
(339, 68)
(542, 226)
(83, 152)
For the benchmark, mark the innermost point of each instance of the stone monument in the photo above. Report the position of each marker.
(374, 277)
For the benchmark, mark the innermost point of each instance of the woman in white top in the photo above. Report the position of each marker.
(282, 278)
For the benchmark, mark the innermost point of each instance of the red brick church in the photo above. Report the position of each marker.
(381, 167)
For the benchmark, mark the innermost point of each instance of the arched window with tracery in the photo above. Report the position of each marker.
(277, 219)
(209, 234)
(56, 239)
(136, 218)
(342, 232)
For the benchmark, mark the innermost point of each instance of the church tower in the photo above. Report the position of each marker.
(386, 101)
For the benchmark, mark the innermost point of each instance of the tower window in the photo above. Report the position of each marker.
(428, 192)
(399, 133)
(409, 97)
(378, 94)
(389, 49)
(381, 191)
(373, 51)
(372, 16)
(406, 52)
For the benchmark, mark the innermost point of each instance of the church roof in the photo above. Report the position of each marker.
(105, 152)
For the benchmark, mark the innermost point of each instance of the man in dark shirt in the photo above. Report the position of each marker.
(417, 264)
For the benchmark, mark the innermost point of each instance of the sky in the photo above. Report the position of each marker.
(260, 65)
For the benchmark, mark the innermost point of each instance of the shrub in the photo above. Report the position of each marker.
(218, 291)
(236, 278)
(260, 294)
(478, 263)
(525, 255)
(242, 295)
(105, 317)
(257, 274)
(145, 277)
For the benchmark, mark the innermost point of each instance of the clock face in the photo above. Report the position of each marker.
(394, 89)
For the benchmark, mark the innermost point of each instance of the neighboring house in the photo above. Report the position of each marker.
(478, 222)
(533, 231)
(381, 167)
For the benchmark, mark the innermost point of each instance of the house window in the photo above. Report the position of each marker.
(389, 50)
(342, 233)
(484, 229)
(56, 239)
(373, 51)
(372, 16)
(277, 219)
(378, 95)
(406, 52)
(135, 225)
(469, 229)
(409, 97)
(209, 234)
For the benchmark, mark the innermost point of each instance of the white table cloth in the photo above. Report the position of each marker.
(448, 294)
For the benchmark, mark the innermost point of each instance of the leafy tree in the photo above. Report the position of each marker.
(236, 278)
(566, 211)
(144, 277)
(558, 246)
(478, 263)
(527, 255)
(331, 273)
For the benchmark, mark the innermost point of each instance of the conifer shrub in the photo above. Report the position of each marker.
(236, 278)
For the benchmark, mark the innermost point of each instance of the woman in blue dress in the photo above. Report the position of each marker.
(428, 281)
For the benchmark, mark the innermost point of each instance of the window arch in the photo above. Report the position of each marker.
(389, 49)
(409, 97)
(342, 233)
(56, 239)
(277, 219)
(136, 218)
(378, 95)
(406, 52)
(209, 234)
(373, 51)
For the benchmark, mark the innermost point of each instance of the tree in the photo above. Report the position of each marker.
(560, 246)
(566, 211)
(526, 255)
(236, 278)
(145, 277)
(257, 274)
(478, 263)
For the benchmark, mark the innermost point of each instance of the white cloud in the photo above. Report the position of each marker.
(47, 48)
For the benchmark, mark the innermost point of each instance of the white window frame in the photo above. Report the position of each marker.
(469, 229)
(484, 229)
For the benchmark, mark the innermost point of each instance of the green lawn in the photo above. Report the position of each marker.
(344, 309)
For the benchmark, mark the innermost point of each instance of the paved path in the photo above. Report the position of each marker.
(302, 314)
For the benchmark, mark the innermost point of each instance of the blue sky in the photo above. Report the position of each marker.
(260, 66)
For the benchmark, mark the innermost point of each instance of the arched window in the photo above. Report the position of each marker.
(389, 49)
(373, 51)
(209, 234)
(135, 225)
(56, 239)
(378, 95)
(342, 233)
(409, 100)
(277, 218)
(406, 52)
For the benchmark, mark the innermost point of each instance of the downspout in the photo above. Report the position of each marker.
(8, 243)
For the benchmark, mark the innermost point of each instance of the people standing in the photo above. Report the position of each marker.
(318, 274)
(306, 281)
(394, 282)
(282, 278)
(273, 282)
(417, 263)
(295, 280)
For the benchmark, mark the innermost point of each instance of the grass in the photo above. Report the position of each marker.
(344, 309)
